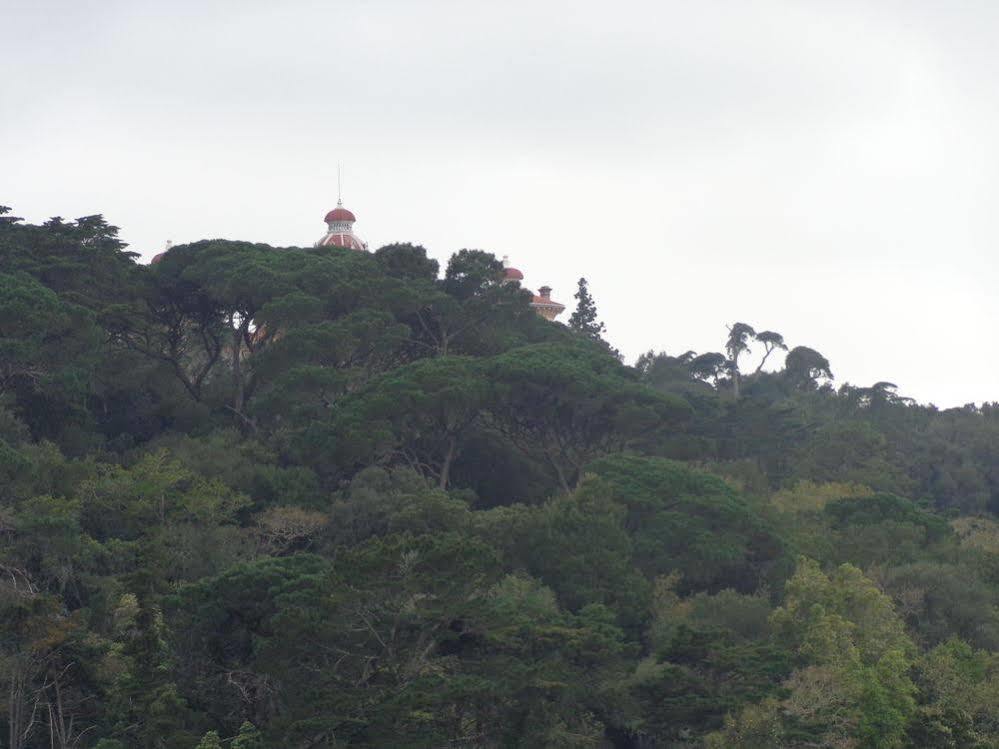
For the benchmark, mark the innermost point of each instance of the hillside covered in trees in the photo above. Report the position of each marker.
(259, 497)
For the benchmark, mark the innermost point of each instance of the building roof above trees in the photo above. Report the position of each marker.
(340, 230)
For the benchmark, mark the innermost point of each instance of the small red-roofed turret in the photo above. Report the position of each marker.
(545, 306)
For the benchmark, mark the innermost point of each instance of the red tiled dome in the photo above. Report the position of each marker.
(347, 241)
(512, 274)
(339, 214)
(159, 256)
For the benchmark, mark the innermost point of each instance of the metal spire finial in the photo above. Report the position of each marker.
(339, 191)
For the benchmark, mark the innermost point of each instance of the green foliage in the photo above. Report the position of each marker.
(47, 354)
(379, 502)
(304, 497)
(545, 541)
(881, 507)
(248, 737)
(692, 523)
(407, 261)
(423, 411)
(755, 727)
(825, 616)
(737, 344)
(211, 740)
(572, 404)
(711, 366)
(742, 616)
(854, 657)
(584, 319)
(941, 600)
(814, 497)
(804, 366)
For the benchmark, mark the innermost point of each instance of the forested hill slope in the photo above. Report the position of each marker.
(297, 498)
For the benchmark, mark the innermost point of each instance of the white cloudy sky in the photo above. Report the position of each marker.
(827, 169)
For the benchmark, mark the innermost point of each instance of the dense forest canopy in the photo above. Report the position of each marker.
(307, 497)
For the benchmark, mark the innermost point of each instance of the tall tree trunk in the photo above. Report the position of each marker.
(18, 722)
(13, 713)
(563, 482)
(766, 355)
(60, 729)
(452, 450)
(237, 371)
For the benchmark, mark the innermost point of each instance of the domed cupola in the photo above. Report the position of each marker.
(340, 230)
(509, 272)
(160, 255)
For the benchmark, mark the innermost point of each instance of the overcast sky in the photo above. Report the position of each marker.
(825, 169)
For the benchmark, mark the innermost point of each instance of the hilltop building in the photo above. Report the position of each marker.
(542, 302)
(545, 306)
(340, 233)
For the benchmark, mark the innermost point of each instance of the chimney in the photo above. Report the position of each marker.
(545, 292)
